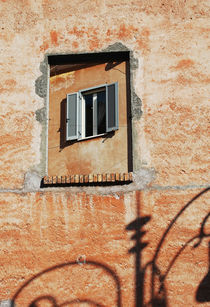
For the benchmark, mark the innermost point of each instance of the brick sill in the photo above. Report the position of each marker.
(91, 179)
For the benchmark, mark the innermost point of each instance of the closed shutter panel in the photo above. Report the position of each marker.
(71, 117)
(112, 107)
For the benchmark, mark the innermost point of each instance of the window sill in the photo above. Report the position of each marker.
(92, 137)
(104, 135)
(91, 179)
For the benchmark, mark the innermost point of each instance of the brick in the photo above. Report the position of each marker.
(108, 177)
(117, 176)
(99, 177)
(63, 179)
(104, 177)
(46, 180)
(86, 178)
(76, 179)
(68, 179)
(90, 178)
(122, 177)
(113, 177)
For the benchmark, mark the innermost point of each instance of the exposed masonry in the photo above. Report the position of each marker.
(89, 179)
(140, 181)
(41, 88)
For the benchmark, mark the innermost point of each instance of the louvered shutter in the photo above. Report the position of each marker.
(72, 117)
(112, 107)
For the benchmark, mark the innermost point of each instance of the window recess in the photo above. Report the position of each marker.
(92, 112)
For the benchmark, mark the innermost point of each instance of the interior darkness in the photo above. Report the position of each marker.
(66, 63)
(95, 124)
(88, 115)
(101, 112)
(61, 59)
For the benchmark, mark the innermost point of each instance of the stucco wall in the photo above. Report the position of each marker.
(90, 229)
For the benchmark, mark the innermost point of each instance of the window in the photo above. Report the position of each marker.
(92, 112)
(89, 127)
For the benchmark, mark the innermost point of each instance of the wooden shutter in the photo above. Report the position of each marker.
(112, 107)
(72, 117)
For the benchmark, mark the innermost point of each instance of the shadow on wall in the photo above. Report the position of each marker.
(158, 293)
(69, 277)
(53, 303)
(62, 129)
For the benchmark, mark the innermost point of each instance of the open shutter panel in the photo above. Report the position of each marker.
(71, 117)
(112, 107)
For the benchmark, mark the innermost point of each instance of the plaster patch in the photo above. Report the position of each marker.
(41, 86)
(32, 182)
(136, 106)
(116, 47)
(7, 303)
(41, 115)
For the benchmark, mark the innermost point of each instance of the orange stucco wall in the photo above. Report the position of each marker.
(99, 155)
(142, 244)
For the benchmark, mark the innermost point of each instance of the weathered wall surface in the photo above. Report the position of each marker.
(43, 229)
(51, 231)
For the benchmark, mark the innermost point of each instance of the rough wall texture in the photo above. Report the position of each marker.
(72, 246)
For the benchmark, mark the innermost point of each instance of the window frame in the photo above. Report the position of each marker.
(80, 117)
(93, 90)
